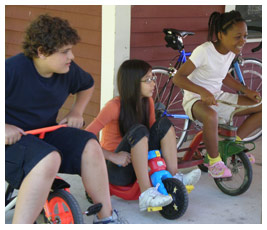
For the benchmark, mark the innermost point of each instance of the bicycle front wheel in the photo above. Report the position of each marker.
(64, 208)
(251, 70)
(169, 97)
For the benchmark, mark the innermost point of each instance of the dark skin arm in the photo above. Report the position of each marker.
(180, 79)
(237, 86)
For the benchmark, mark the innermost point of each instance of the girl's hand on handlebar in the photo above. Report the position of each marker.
(253, 95)
(208, 98)
(12, 134)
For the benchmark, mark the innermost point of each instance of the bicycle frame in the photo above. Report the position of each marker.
(182, 58)
(227, 147)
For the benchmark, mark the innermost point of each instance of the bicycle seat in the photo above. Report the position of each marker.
(180, 33)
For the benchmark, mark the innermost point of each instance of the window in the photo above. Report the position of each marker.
(253, 16)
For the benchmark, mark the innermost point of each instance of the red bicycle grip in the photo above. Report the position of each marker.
(44, 130)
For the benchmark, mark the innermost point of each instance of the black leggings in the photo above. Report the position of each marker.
(126, 175)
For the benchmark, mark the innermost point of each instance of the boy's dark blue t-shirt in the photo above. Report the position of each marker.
(32, 101)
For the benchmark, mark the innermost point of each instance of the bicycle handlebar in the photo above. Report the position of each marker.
(44, 130)
(239, 107)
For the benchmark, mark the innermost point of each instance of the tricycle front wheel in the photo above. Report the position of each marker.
(240, 181)
(180, 199)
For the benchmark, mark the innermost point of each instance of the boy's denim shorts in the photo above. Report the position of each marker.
(22, 156)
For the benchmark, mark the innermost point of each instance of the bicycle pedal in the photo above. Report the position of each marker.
(154, 209)
(93, 209)
(189, 188)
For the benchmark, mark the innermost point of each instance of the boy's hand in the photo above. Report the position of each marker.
(73, 119)
(12, 134)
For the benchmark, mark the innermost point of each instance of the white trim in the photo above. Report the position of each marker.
(107, 53)
(228, 8)
(122, 39)
(116, 22)
(251, 40)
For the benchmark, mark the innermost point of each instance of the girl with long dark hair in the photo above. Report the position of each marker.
(130, 130)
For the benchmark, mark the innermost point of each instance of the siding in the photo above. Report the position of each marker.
(85, 19)
(147, 38)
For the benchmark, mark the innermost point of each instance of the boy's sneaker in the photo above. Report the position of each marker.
(153, 198)
(190, 178)
(219, 170)
(113, 219)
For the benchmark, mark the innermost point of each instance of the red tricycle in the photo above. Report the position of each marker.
(233, 153)
(167, 185)
(60, 207)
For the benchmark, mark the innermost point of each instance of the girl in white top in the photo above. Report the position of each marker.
(202, 77)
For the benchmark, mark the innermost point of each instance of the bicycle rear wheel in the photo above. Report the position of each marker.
(251, 70)
(169, 97)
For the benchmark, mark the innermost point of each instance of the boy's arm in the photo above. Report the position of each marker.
(75, 117)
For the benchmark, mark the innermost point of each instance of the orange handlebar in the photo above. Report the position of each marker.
(42, 131)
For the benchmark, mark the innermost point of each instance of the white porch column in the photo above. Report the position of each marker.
(116, 21)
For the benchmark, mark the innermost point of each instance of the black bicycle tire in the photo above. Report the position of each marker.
(72, 203)
(247, 178)
(183, 125)
(180, 199)
(246, 61)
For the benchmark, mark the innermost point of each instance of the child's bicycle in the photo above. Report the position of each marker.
(60, 207)
(165, 183)
(232, 152)
(168, 97)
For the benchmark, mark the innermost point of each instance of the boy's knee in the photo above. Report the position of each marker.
(50, 164)
(54, 159)
(93, 148)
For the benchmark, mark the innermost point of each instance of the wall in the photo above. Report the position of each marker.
(147, 38)
(85, 19)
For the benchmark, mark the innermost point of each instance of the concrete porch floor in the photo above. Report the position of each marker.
(207, 204)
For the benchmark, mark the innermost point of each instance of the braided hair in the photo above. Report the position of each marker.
(222, 22)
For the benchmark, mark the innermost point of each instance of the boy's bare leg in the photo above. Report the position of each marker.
(95, 177)
(208, 117)
(169, 151)
(35, 188)
(253, 121)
